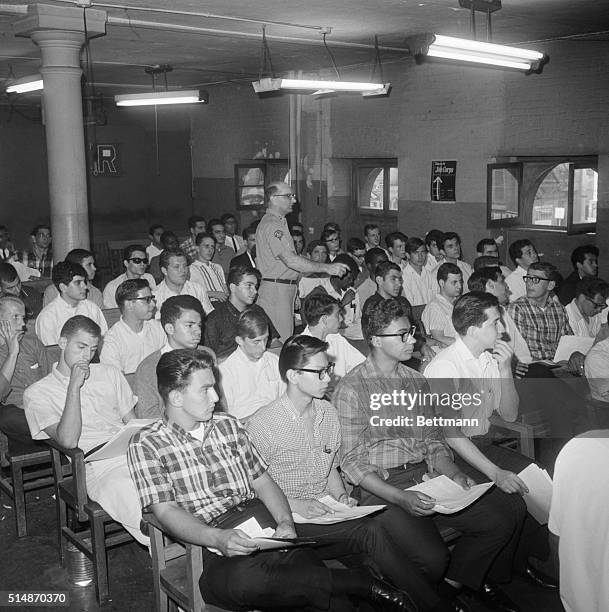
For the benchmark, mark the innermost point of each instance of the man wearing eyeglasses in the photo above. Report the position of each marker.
(382, 459)
(585, 310)
(277, 260)
(136, 334)
(135, 261)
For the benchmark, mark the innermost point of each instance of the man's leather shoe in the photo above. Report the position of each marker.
(494, 598)
(390, 598)
(540, 579)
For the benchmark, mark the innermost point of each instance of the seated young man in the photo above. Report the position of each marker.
(381, 460)
(584, 260)
(182, 322)
(174, 267)
(415, 275)
(223, 253)
(249, 376)
(487, 247)
(87, 260)
(169, 242)
(372, 259)
(155, 247)
(136, 334)
(247, 256)
(585, 310)
(135, 261)
(204, 271)
(71, 281)
(23, 361)
(211, 481)
(10, 284)
(316, 251)
(221, 325)
(298, 435)
(450, 248)
(84, 404)
(323, 315)
(522, 253)
(437, 315)
(433, 240)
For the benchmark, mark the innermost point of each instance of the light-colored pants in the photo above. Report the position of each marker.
(277, 300)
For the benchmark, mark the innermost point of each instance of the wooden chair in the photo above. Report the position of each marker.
(525, 429)
(112, 315)
(99, 531)
(115, 254)
(176, 568)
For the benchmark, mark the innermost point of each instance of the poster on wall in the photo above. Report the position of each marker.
(443, 178)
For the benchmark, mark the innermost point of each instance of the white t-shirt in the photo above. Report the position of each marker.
(416, 286)
(515, 282)
(163, 292)
(112, 286)
(344, 355)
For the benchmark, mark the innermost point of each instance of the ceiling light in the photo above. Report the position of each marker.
(269, 84)
(155, 98)
(25, 84)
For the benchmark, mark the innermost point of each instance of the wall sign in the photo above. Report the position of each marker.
(107, 161)
(443, 176)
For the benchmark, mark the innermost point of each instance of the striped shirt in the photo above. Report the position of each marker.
(541, 327)
(300, 463)
(206, 478)
(208, 274)
(374, 448)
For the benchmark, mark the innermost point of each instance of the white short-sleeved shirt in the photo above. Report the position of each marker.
(579, 517)
(163, 292)
(105, 397)
(438, 315)
(152, 251)
(344, 355)
(112, 286)
(125, 349)
(416, 286)
(249, 385)
(515, 281)
(53, 316)
(579, 325)
(272, 240)
(466, 272)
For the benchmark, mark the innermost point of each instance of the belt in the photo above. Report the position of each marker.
(283, 281)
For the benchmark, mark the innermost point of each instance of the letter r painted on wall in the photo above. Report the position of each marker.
(107, 161)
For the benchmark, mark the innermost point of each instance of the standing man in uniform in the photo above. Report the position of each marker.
(278, 262)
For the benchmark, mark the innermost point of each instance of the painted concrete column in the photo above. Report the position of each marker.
(59, 33)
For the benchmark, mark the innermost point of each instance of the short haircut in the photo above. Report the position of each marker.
(379, 317)
(384, 268)
(297, 233)
(65, 271)
(370, 226)
(580, 252)
(173, 308)
(325, 235)
(374, 256)
(447, 268)
(37, 228)
(200, 237)
(174, 369)
(128, 290)
(393, 236)
(250, 230)
(226, 216)
(236, 274)
(5, 300)
(314, 244)
(271, 190)
(252, 324)
(8, 274)
(132, 248)
(167, 254)
(355, 244)
(316, 305)
(193, 220)
(469, 310)
(434, 236)
(414, 244)
(550, 270)
(166, 235)
(515, 250)
(591, 287)
(77, 324)
(297, 351)
(348, 261)
(154, 227)
(446, 236)
(484, 242)
(477, 281)
(77, 256)
(332, 225)
(486, 261)
(213, 222)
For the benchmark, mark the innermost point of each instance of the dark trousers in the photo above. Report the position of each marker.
(14, 426)
(380, 541)
(487, 530)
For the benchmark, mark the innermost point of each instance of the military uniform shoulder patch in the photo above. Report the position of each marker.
(278, 234)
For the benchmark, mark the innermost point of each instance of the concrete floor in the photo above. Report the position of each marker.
(32, 563)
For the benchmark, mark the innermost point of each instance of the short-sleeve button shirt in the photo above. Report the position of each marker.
(273, 239)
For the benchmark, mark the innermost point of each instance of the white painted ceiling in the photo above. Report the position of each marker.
(203, 58)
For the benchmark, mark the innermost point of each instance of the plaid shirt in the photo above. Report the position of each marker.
(205, 478)
(43, 263)
(367, 448)
(298, 462)
(541, 327)
(190, 248)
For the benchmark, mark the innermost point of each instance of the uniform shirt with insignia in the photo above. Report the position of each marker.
(272, 240)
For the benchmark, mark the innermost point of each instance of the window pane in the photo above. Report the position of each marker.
(504, 193)
(371, 185)
(585, 195)
(393, 188)
(552, 197)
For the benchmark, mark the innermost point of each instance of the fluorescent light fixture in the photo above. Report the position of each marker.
(155, 98)
(318, 86)
(25, 84)
(477, 52)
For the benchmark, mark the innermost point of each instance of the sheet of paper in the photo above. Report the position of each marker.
(449, 496)
(119, 442)
(342, 512)
(539, 497)
(567, 345)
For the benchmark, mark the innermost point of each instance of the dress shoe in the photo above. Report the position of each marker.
(540, 579)
(388, 598)
(493, 598)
